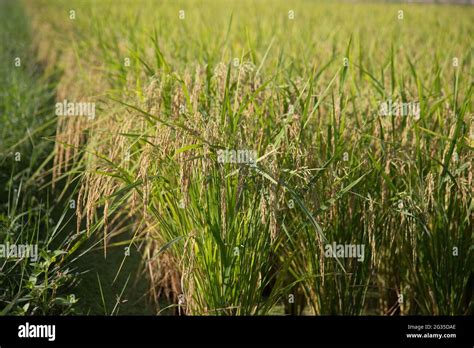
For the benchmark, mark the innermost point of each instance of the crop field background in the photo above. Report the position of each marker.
(236, 157)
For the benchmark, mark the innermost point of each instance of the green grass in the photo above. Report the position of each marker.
(28, 214)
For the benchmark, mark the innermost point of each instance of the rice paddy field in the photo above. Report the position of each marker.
(251, 157)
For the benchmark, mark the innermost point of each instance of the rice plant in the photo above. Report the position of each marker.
(310, 158)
